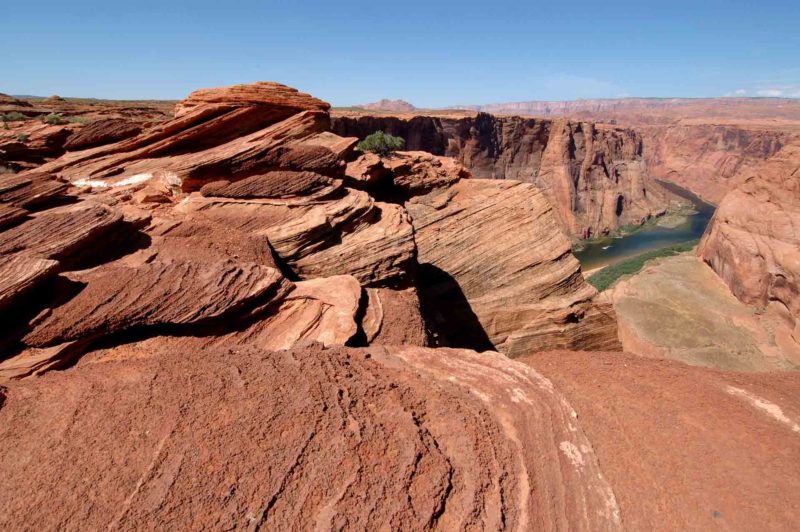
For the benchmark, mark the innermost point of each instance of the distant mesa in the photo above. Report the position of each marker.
(388, 105)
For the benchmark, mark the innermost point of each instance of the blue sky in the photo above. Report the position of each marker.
(431, 53)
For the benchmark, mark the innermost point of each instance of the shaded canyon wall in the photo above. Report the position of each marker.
(595, 176)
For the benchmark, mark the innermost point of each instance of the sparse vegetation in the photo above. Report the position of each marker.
(53, 119)
(77, 119)
(21, 137)
(6, 170)
(609, 275)
(381, 143)
(13, 116)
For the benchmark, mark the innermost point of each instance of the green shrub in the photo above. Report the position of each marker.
(21, 137)
(609, 275)
(53, 119)
(381, 143)
(77, 119)
(6, 170)
(13, 116)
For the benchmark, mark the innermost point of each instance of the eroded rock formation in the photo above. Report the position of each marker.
(708, 159)
(227, 321)
(240, 222)
(593, 175)
(753, 240)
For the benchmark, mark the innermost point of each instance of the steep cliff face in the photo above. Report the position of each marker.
(753, 241)
(594, 176)
(708, 159)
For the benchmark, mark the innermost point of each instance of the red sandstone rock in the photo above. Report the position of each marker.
(19, 273)
(61, 232)
(498, 245)
(388, 105)
(117, 298)
(399, 438)
(365, 172)
(417, 172)
(348, 233)
(394, 317)
(594, 175)
(102, 132)
(753, 240)
(708, 159)
(686, 448)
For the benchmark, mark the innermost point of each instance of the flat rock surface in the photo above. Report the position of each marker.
(403, 438)
(687, 448)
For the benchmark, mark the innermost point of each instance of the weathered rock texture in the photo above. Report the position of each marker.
(102, 132)
(708, 159)
(654, 424)
(593, 175)
(239, 222)
(404, 437)
(497, 244)
(753, 240)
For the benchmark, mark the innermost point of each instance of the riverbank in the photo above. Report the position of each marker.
(686, 222)
(602, 278)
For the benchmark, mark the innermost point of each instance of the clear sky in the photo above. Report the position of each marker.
(431, 53)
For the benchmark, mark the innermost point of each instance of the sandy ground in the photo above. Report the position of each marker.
(677, 308)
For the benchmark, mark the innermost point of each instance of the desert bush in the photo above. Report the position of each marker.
(21, 137)
(53, 119)
(13, 116)
(381, 143)
(77, 119)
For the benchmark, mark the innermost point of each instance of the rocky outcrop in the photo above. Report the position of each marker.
(497, 245)
(401, 437)
(753, 240)
(238, 222)
(593, 175)
(102, 132)
(174, 294)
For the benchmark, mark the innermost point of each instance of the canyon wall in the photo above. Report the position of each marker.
(594, 175)
(753, 240)
(708, 159)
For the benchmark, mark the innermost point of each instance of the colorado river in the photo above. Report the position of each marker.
(602, 252)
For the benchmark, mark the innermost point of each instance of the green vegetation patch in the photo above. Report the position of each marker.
(53, 119)
(609, 275)
(13, 116)
(381, 143)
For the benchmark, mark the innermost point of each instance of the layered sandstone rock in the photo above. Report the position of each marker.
(753, 240)
(498, 245)
(401, 437)
(230, 132)
(102, 132)
(708, 159)
(593, 175)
